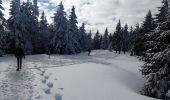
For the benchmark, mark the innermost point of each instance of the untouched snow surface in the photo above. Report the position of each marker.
(102, 76)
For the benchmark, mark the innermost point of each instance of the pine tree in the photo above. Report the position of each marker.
(83, 37)
(35, 8)
(74, 30)
(110, 42)
(89, 40)
(14, 25)
(125, 39)
(142, 34)
(131, 38)
(157, 60)
(136, 38)
(96, 40)
(69, 47)
(63, 36)
(118, 37)
(28, 27)
(35, 35)
(146, 29)
(60, 30)
(2, 30)
(162, 16)
(148, 24)
(105, 40)
(43, 34)
(43, 24)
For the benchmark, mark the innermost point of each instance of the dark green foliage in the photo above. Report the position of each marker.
(97, 40)
(157, 56)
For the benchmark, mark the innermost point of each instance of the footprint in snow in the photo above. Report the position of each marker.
(38, 69)
(58, 97)
(38, 97)
(42, 73)
(47, 91)
(35, 84)
(50, 85)
(46, 77)
(61, 88)
(44, 81)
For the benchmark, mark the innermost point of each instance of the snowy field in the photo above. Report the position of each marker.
(102, 76)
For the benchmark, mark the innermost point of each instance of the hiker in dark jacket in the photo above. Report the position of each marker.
(19, 54)
(89, 51)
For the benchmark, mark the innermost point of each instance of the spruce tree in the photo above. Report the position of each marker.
(74, 30)
(97, 40)
(60, 30)
(110, 47)
(125, 39)
(28, 27)
(148, 24)
(105, 40)
(131, 39)
(35, 8)
(69, 47)
(89, 40)
(35, 35)
(14, 25)
(2, 30)
(118, 37)
(141, 35)
(156, 67)
(137, 41)
(83, 38)
(43, 34)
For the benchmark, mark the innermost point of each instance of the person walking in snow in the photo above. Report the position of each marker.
(89, 51)
(19, 54)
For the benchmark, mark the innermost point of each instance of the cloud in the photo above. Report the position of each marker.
(99, 14)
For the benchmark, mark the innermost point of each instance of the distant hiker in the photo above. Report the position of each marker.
(49, 50)
(118, 50)
(19, 54)
(89, 51)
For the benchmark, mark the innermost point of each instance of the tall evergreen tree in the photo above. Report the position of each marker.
(105, 40)
(163, 11)
(118, 37)
(141, 43)
(89, 40)
(14, 25)
(157, 57)
(83, 37)
(136, 49)
(110, 42)
(74, 30)
(125, 39)
(2, 30)
(28, 26)
(131, 38)
(34, 27)
(96, 40)
(148, 24)
(69, 47)
(60, 30)
(43, 35)
(35, 8)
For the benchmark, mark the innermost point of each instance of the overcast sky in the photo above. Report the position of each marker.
(99, 14)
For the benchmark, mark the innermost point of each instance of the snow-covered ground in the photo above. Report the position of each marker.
(102, 76)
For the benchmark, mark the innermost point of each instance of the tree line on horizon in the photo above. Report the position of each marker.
(63, 36)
